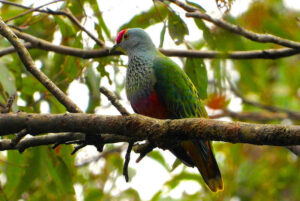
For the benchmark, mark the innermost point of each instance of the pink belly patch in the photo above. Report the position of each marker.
(151, 107)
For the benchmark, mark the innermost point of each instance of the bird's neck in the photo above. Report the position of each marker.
(140, 61)
(142, 51)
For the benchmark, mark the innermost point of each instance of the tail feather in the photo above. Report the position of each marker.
(202, 155)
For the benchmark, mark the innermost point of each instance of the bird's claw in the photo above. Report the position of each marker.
(90, 139)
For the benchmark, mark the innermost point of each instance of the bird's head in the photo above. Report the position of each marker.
(131, 40)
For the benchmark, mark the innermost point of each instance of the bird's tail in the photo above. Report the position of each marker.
(203, 158)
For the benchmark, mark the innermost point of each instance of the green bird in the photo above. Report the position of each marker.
(158, 88)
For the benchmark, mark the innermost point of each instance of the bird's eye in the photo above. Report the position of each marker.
(126, 36)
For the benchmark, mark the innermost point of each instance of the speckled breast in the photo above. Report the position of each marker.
(140, 92)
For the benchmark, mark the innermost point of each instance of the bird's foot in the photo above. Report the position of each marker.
(90, 139)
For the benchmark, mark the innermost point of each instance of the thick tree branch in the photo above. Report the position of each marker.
(160, 132)
(30, 66)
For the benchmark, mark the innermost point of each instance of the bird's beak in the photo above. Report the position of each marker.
(118, 48)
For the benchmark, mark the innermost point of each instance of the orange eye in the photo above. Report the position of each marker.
(126, 36)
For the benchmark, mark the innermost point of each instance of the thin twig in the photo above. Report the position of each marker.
(262, 117)
(114, 101)
(19, 136)
(143, 149)
(76, 22)
(31, 10)
(77, 148)
(263, 38)
(251, 54)
(57, 139)
(30, 66)
(10, 50)
(9, 104)
(104, 52)
(294, 149)
(14, 4)
(184, 6)
(127, 159)
(291, 114)
(46, 140)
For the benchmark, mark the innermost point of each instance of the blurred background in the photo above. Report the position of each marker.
(232, 90)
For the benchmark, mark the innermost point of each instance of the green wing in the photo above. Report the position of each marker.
(176, 90)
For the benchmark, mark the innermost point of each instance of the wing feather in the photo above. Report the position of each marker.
(181, 99)
(176, 90)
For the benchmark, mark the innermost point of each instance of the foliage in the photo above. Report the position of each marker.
(249, 172)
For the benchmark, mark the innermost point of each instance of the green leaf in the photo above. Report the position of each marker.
(176, 163)
(103, 72)
(156, 196)
(7, 86)
(30, 85)
(177, 28)
(14, 170)
(55, 106)
(181, 177)
(93, 83)
(65, 26)
(195, 5)
(7, 80)
(155, 14)
(196, 70)
(64, 69)
(207, 35)
(61, 174)
(162, 36)
(33, 162)
(156, 155)
(130, 193)
(94, 194)
(102, 25)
